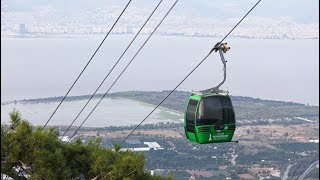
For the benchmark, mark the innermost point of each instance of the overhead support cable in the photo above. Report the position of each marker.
(86, 65)
(124, 69)
(189, 74)
(125, 51)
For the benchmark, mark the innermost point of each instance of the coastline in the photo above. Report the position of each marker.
(145, 103)
(97, 35)
(29, 101)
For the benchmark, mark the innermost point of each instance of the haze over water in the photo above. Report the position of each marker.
(111, 112)
(268, 69)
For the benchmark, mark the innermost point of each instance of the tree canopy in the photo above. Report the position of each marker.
(41, 155)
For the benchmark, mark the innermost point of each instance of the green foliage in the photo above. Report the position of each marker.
(43, 156)
(15, 119)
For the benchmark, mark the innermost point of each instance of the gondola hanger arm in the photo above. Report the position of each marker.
(221, 48)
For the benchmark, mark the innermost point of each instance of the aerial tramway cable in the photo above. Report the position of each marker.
(86, 65)
(113, 67)
(124, 69)
(189, 73)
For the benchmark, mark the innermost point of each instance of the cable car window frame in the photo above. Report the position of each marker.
(226, 112)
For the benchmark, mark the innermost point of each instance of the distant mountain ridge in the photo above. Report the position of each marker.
(245, 107)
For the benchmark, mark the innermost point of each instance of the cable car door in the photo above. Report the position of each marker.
(190, 119)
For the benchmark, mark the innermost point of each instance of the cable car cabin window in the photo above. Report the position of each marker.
(215, 109)
(190, 115)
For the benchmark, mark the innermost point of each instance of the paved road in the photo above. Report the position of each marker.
(285, 175)
(310, 168)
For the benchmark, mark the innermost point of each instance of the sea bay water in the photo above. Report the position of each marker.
(110, 112)
(283, 69)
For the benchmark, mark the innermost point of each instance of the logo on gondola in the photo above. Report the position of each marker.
(219, 136)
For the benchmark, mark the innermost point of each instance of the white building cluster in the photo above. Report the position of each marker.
(50, 22)
(146, 146)
(153, 145)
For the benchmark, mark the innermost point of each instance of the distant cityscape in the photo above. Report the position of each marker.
(52, 22)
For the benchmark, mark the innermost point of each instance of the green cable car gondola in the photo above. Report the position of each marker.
(209, 116)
